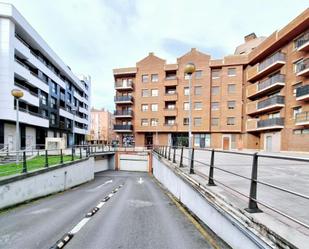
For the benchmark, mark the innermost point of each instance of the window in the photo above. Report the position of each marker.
(215, 73)
(274, 115)
(154, 107)
(170, 91)
(231, 104)
(52, 119)
(44, 113)
(296, 110)
(54, 87)
(214, 106)
(197, 105)
(197, 121)
(186, 91)
(154, 78)
(170, 121)
(215, 90)
(198, 90)
(231, 88)
(144, 122)
(144, 108)
(145, 78)
(186, 121)
(69, 99)
(198, 74)
(43, 98)
(145, 93)
(295, 87)
(53, 102)
(231, 71)
(300, 131)
(230, 121)
(154, 122)
(154, 92)
(202, 140)
(186, 106)
(170, 106)
(214, 121)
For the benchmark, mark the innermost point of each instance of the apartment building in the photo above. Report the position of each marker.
(256, 98)
(55, 102)
(101, 127)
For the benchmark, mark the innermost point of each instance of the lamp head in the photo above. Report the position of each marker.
(17, 93)
(190, 68)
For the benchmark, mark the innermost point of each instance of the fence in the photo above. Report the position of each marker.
(176, 155)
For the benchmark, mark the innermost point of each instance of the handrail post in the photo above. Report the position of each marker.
(252, 206)
(192, 161)
(211, 169)
(24, 162)
(181, 158)
(61, 157)
(46, 158)
(174, 155)
(80, 153)
(169, 153)
(165, 151)
(72, 154)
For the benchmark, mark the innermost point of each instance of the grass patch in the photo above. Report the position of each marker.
(32, 164)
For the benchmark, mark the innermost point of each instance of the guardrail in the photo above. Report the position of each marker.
(169, 153)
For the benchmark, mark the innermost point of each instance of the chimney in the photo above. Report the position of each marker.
(250, 37)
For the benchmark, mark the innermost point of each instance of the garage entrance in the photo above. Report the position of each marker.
(137, 161)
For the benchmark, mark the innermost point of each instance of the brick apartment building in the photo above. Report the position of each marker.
(257, 98)
(101, 127)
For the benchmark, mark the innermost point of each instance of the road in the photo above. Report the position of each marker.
(138, 215)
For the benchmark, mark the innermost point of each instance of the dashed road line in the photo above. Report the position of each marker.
(68, 236)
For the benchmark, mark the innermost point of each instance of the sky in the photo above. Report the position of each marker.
(95, 36)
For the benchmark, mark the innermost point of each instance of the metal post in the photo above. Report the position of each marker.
(61, 157)
(72, 154)
(169, 153)
(17, 131)
(165, 152)
(211, 169)
(174, 155)
(190, 113)
(192, 161)
(24, 162)
(80, 153)
(252, 206)
(46, 158)
(181, 158)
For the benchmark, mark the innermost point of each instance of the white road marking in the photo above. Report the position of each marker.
(61, 244)
(97, 187)
(79, 225)
(110, 195)
(140, 181)
(100, 204)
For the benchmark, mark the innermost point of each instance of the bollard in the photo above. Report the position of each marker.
(192, 161)
(181, 158)
(252, 206)
(46, 158)
(169, 153)
(61, 157)
(211, 169)
(24, 162)
(174, 155)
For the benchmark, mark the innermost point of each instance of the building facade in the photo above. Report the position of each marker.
(256, 98)
(101, 127)
(55, 102)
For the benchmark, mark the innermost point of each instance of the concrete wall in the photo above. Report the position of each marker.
(227, 227)
(104, 162)
(44, 182)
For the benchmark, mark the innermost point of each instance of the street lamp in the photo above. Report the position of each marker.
(189, 70)
(17, 94)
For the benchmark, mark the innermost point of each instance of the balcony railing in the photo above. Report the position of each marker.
(123, 98)
(277, 78)
(270, 101)
(302, 92)
(32, 113)
(123, 113)
(172, 77)
(120, 84)
(26, 88)
(271, 60)
(270, 122)
(302, 67)
(302, 118)
(302, 41)
(120, 127)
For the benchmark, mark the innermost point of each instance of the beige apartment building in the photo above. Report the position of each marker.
(101, 128)
(257, 98)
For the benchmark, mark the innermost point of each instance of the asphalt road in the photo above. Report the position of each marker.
(138, 215)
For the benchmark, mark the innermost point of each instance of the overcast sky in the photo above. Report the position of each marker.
(95, 36)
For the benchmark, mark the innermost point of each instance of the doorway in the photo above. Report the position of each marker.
(226, 143)
(269, 143)
(148, 140)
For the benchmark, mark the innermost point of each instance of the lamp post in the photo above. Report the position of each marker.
(17, 94)
(74, 113)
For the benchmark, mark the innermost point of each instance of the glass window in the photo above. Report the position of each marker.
(154, 122)
(274, 115)
(144, 108)
(231, 104)
(214, 106)
(295, 88)
(215, 90)
(198, 74)
(214, 121)
(186, 106)
(231, 88)
(154, 107)
(296, 110)
(145, 78)
(154, 78)
(52, 119)
(231, 71)
(44, 113)
(186, 91)
(215, 73)
(43, 98)
(54, 87)
(198, 105)
(144, 122)
(230, 121)
(197, 121)
(53, 102)
(185, 121)
(154, 92)
(198, 90)
(145, 93)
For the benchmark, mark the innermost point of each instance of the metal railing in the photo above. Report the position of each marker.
(302, 117)
(277, 78)
(303, 90)
(177, 159)
(302, 40)
(123, 98)
(302, 65)
(279, 56)
(128, 84)
(123, 127)
(123, 113)
(26, 88)
(32, 113)
(277, 99)
(270, 122)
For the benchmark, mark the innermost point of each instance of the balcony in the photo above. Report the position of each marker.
(170, 111)
(170, 96)
(302, 118)
(266, 124)
(171, 81)
(123, 100)
(302, 93)
(123, 86)
(266, 67)
(170, 126)
(302, 43)
(123, 128)
(22, 47)
(271, 84)
(267, 105)
(123, 114)
(302, 67)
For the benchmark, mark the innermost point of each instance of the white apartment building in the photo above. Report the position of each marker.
(54, 97)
